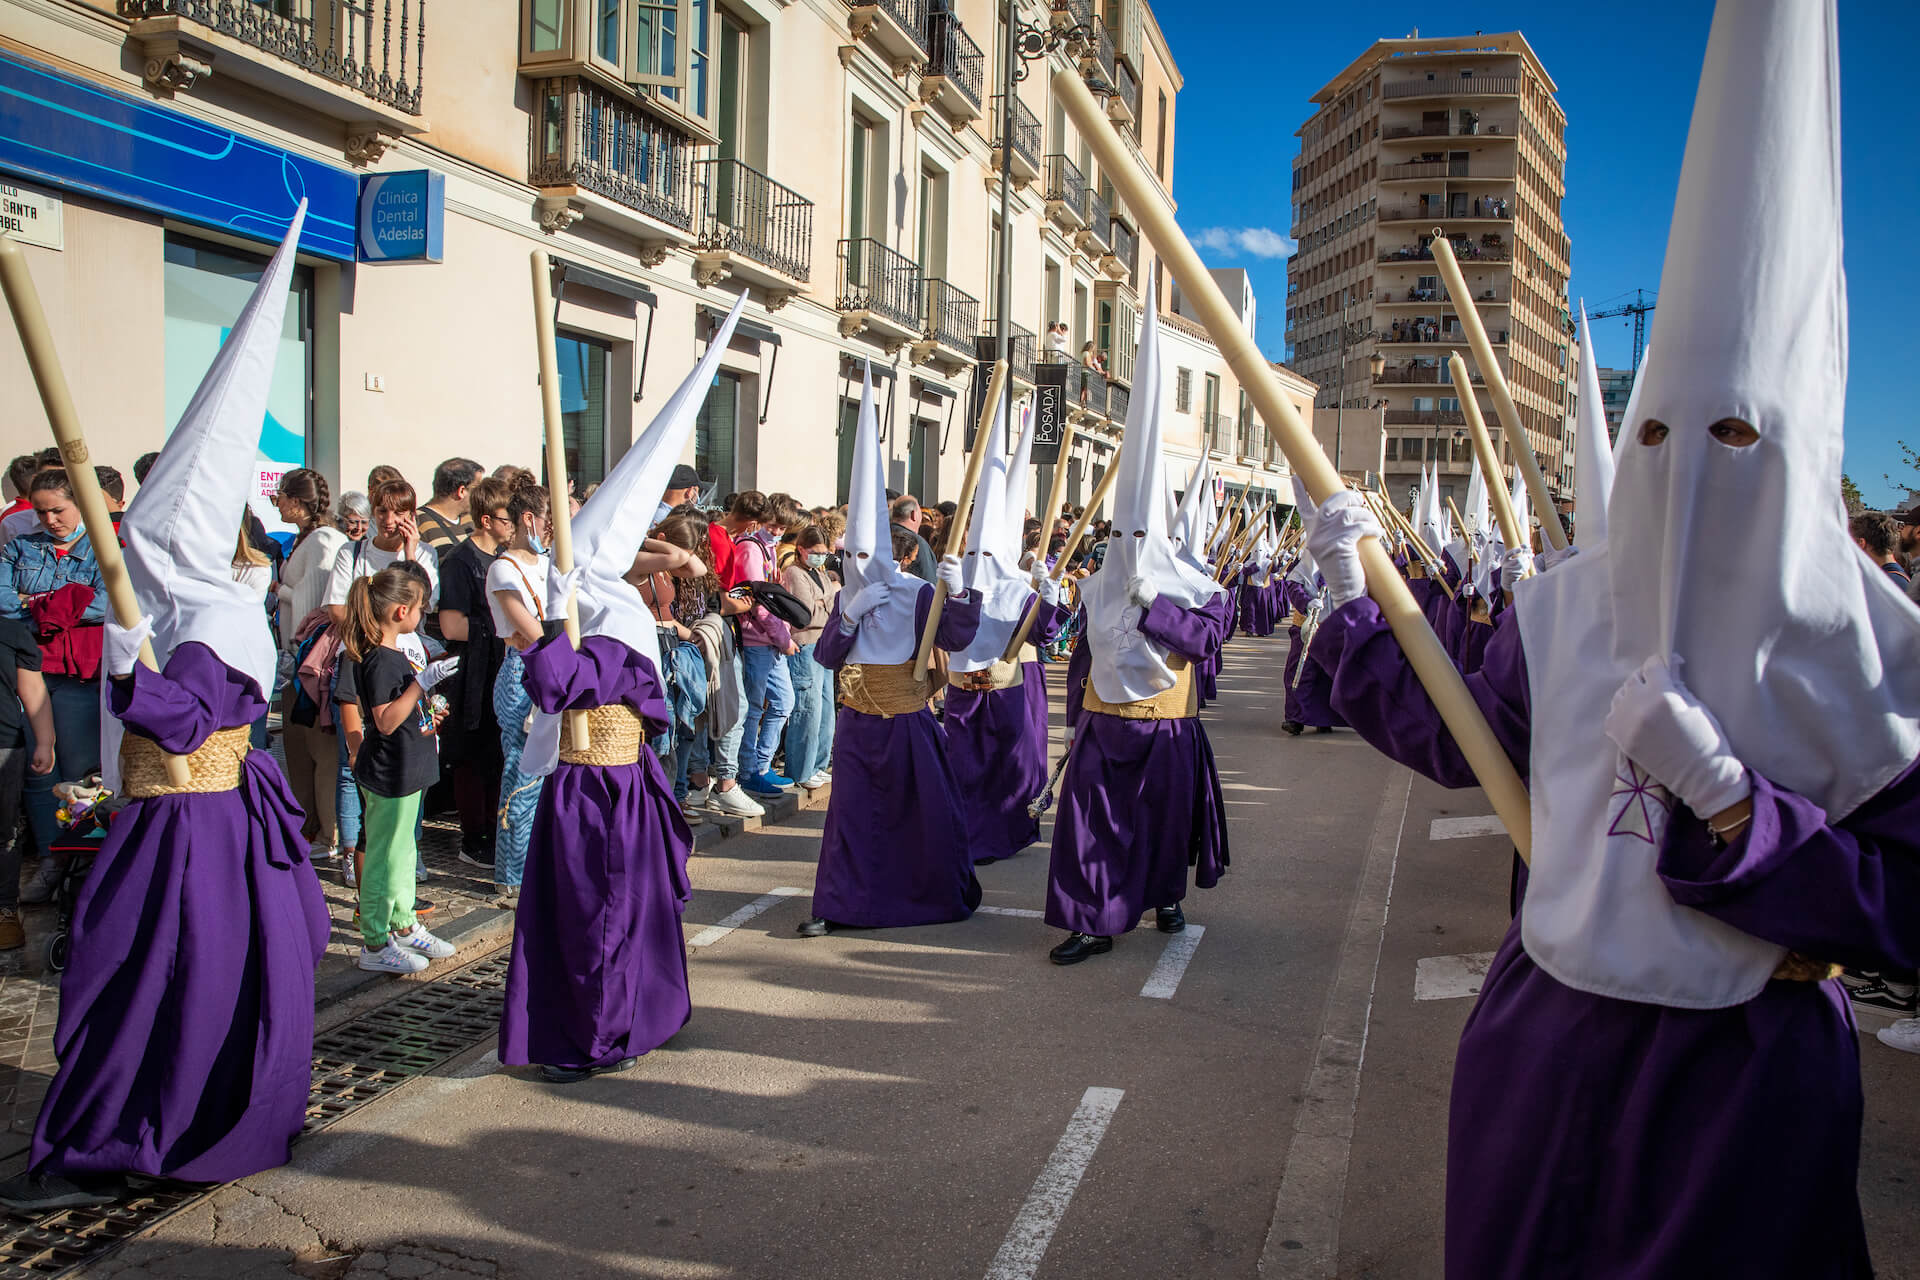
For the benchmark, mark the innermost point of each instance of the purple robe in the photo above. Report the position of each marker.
(185, 1036)
(1140, 801)
(894, 848)
(599, 968)
(997, 745)
(1309, 691)
(1591, 1136)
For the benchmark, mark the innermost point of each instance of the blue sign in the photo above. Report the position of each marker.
(71, 134)
(402, 216)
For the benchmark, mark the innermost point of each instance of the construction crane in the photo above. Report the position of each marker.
(1640, 308)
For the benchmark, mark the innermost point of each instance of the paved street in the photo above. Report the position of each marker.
(943, 1103)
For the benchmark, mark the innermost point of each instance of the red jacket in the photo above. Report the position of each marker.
(69, 646)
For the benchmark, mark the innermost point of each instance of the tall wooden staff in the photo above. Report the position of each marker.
(1426, 553)
(1497, 384)
(1100, 492)
(557, 463)
(1429, 659)
(28, 316)
(1458, 522)
(1503, 512)
(983, 444)
(1055, 493)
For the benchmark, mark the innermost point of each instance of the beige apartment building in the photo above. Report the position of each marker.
(838, 162)
(1417, 137)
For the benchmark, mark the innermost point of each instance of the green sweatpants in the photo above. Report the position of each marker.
(386, 879)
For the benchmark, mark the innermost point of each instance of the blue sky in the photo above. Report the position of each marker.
(1627, 72)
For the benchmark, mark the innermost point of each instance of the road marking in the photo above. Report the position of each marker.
(1172, 966)
(1052, 1192)
(728, 923)
(1303, 1239)
(1025, 913)
(1450, 977)
(1247, 786)
(1463, 828)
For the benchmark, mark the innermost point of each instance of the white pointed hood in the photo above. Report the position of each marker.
(1633, 402)
(887, 635)
(1128, 667)
(1019, 479)
(182, 526)
(991, 566)
(1189, 531)
(612, 524)
(1593, 452)
(1475, 512)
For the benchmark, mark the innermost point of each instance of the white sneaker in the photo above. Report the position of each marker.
(698, 797)
(322, 853)
(392, 959)
(346, 872)
(690, 815)
(418, 939)
(817, 781)
(737, 803)
(41, 884)
(1903, 1035)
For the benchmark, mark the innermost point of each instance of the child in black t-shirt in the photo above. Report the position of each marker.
(395, 764)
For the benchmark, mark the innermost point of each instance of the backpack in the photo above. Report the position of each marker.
(781, 603)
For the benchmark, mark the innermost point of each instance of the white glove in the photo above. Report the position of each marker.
(1047, 589)
(434, 672)
(120, 646)
(1140, 593)
(1664, 729)
(1515, 565)
(1557, 556)
(949, 576)
(560, 586)
(866, 600)
(1333, 533)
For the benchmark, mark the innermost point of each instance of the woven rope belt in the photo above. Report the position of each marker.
(212, 766)
(1798, 968)
(1181, 702)
(613, 732)
(882, 689)
(1001, 675)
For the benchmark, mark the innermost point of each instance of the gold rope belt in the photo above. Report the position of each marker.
(212, 766)
(882, 689)
(1181, 702)
(1001, 675)
(613, 734)
(1798, 968)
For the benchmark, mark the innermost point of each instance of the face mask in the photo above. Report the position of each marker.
(535, 544)
(816, 559)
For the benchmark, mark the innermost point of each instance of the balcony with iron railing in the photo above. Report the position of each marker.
(1119, 402)
(1486, 208)
(356, 61)
(1440, 86)
(1220, 432)
(1086, 391)
(1124, 250)
(586, 139)
(1123, 108)
(1426, 329)
(1022, 349)
(953, 318)
(1066, 192)
(1098, 59)
(1462, 249)
(881, 290)
(897, 29)
(1097, 239)
(1025, 165)
(1414, 374)
(1071, 13)
(748, 220)
(956, 71)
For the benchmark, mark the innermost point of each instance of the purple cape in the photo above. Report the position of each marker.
(1308, 691)
(1598, 1137)
(599, 969)
(997, 744)
(185, 1036)
(1140, 800)
(894, 848)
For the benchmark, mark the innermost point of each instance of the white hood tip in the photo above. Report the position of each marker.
(887, 635)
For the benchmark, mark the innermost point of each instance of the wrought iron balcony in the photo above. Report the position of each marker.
(1022, 348)
(882, 284)
(955, 65)
(1071, 13)
(1124, 247)
(1066, 189)
(953, 317)
(1099, 221)
(584, 136)
(377, 47)
(1463, 250)
(744, 212)
(898, 28)
(1119, 400)
(1124, 106)
(1087, 390)
(1026, 137)
(1442, 86)
(1220, 432)
(1099, 59)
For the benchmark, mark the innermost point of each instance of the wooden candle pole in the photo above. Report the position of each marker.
(1426, 553)
(1055, 493)
(1428, 658)
(35, 336)
(556, 463)
(1100, 492)
(1503, 512)
(1497, 384)
(983, 444)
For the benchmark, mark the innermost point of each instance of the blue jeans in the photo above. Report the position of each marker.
(810, 730)
(519, 794)
(719, 759)
(346, 799)
(76, 752)
(769, 703)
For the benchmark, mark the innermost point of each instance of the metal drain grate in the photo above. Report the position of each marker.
(353, 1064)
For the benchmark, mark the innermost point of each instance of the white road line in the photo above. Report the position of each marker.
(728, 923)
(1450, 977)
(1303, 1240)
(1025, 913)
(1247, 786)
(1464, 828)
(1052, 1192)
(1172, 965)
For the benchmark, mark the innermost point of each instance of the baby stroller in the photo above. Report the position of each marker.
(86, 809)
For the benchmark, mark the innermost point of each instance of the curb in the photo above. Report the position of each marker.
(716, 828)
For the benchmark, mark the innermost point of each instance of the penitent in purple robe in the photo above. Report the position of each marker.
(1591, 1136)
(997, 744)
(599, 968)
(894, 848)
(1140, 801)
(1308, 691)
(185, 1037)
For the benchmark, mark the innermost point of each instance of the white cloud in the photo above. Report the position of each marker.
(1256, 242)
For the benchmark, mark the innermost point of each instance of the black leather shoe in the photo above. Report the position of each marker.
(574, 1075)
(44, 1192)
(1325, 728)
(1169, 919)
(1291, 727)
(815, 928)
(1078, 947)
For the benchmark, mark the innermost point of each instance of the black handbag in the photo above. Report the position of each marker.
(781, 603)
